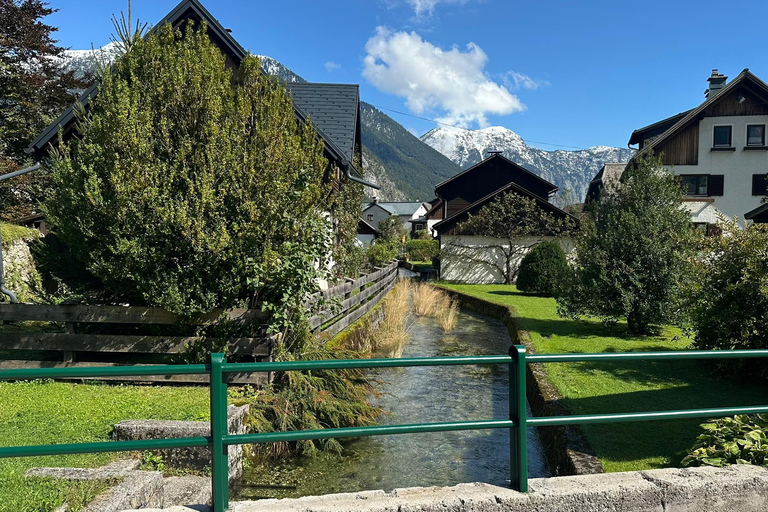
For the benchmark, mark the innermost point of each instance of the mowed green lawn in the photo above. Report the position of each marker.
(593, 388)
(53, 412)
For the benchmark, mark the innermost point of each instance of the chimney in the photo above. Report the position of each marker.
(716, 82)
(493, 152)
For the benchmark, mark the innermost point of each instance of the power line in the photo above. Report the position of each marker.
(467, 129)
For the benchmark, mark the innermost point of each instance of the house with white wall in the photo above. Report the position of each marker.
(718, 149)
(466, 257)
(375, 212)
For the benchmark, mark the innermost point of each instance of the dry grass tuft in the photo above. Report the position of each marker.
(448, 314)
(392, 333)
(425, 299)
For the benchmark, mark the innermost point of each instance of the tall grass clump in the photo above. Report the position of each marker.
(392, 333)
(434, 302)
(448, 314)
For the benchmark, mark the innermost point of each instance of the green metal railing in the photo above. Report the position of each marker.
(220, 439)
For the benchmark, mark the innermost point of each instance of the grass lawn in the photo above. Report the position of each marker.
(593, 388)
(45, 412)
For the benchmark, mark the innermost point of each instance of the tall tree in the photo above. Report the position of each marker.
(34, 89)
(517, 223)
(633, 252)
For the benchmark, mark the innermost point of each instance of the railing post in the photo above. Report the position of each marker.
(518, 412)
(219, 428)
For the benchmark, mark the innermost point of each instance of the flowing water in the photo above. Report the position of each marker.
(420, 395)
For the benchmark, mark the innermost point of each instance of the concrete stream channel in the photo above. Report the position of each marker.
(415, 395)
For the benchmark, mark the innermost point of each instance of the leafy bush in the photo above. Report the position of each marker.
(544, 270)
(392, 230)
(730, 299)
(380, 253)
(191, 191)
(633, 252)
(422, 250)
(737, 440)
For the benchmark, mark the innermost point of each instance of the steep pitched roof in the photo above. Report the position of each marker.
(663, 124)
(745, 77)
(397, 207)
(759, 214)
(544, 182)
(318, 106)
(451, 221)
(333, 108)
(608, 178)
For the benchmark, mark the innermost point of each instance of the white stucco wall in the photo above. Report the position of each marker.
(737, 167)
(459, 255)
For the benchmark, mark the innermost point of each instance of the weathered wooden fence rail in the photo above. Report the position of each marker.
(71, 348)
(349, 301)
(119, 335)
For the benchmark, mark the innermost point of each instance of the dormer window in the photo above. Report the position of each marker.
(722, 137)
(755, 135)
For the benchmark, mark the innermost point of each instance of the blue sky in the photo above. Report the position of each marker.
(574, 74)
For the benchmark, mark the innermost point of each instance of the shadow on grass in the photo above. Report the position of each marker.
(669, 439)
(582, 329)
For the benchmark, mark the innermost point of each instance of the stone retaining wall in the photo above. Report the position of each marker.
(735, 489)
(568, 451)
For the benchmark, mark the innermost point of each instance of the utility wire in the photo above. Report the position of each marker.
(469, 130)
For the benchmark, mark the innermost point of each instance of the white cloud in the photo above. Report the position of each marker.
(332, 66)
(515, 81)
(452, 82)
(422, 7)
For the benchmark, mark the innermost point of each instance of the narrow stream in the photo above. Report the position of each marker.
(420, 395)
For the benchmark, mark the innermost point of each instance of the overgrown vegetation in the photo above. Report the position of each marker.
(10, 233)
(738, 440)
(544, 270)
(729, 306)
(517, 223)
(422, 250)
(431, 301)
(387, 246)
(187, 192)
(633, 252)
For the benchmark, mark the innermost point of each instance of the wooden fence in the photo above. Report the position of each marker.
(71, 348)
(81, 343)
(348, 302)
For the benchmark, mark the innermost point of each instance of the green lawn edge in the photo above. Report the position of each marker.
(608, 387)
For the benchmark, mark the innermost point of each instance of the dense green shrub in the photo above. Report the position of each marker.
(729, 309)
(188, 190)
(422, 250)
(738, 440)
(633, 252)
(380, 253)
(392, 230)
(544, 270)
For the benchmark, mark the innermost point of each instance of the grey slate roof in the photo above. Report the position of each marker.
(398, 208)
(332, 109)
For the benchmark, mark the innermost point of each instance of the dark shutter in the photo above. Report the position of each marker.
(759, 185)
(715, 185)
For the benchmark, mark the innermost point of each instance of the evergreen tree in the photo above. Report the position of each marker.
(633, 253)
(188, 191)
(34, 90)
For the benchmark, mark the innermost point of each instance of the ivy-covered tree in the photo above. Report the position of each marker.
(189, 190)
(516, 223)
(633, 252)
(34, 89)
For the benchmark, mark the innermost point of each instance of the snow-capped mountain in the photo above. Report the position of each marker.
(85, 61)
(572, 170)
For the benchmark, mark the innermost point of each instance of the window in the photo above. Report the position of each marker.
(370, 217)
(755, 135)
(760, 185)
(419, 227)
(695, 184)
(722, 137)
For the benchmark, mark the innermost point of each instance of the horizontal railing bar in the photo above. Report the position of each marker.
(647, 356)
(339, 364)
(103, 371)
(101, 447)
(382, 430)
(644, 416)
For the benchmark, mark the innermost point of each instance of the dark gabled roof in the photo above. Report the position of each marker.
(366, 228)
(693, 114)
(759, 214)
(337, 141)
(333, 108)
(186, 9)
(544, 182)
(510, 187)
(669, 121)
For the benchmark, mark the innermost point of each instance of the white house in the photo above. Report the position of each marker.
(718, 149)
(375, 212)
